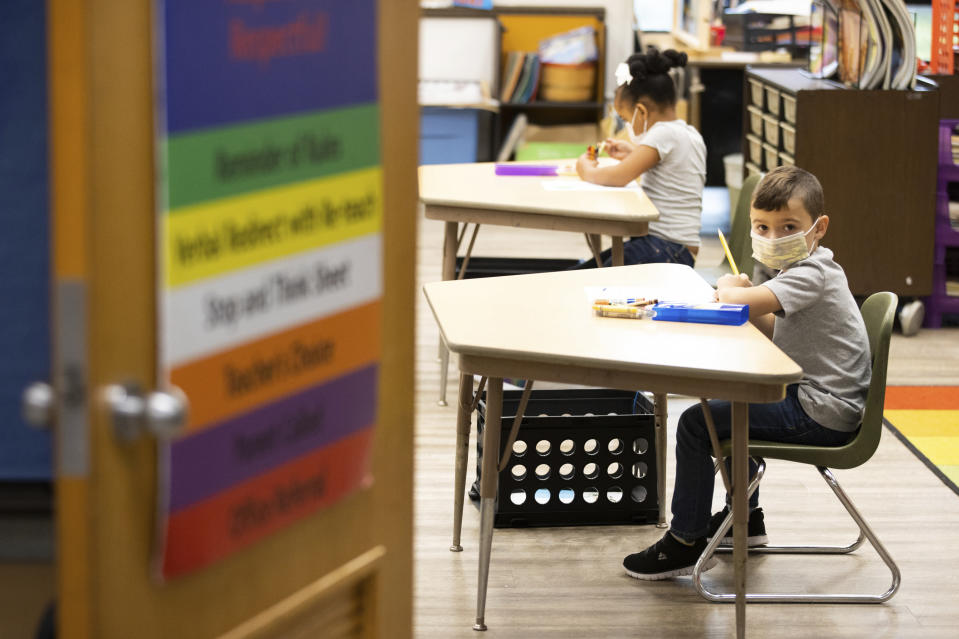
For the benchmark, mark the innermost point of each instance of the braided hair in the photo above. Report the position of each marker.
(651, 77)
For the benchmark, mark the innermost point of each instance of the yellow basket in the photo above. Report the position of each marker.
(567, 82)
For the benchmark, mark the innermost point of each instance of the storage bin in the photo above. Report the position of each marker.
(755, 148)
(772, 157)
(752, 169)
(582, 456)
(567, 82)
(451, 136)
(789, 137)
(786, 160)
(772, 100)
(771, 129)
(789, 108)
(755, 120)
(756, 92)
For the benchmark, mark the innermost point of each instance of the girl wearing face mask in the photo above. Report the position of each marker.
(664, 153)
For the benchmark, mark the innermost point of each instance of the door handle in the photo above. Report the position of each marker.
(36, 405)
(160, 413)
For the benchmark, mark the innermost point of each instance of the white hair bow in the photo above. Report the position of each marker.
(623, 76)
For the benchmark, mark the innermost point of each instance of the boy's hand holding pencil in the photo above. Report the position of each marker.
(732, 281)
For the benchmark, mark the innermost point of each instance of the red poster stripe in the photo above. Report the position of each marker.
(227, 522)
(920, 397)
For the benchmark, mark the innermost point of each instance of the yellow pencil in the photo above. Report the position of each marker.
(729, 256)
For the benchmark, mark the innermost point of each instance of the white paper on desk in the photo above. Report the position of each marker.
(581, 185)
(645, 292)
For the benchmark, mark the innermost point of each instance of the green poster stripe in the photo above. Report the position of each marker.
(233, 160)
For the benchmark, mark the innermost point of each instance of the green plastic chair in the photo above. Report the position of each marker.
(740, 246)
(878, 312)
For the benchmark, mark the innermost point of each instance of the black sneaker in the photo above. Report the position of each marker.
(755, 531)
(666, 558)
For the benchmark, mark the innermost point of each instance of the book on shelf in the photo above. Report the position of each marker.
(532, 80)
(527, 80)
(511, 74)
(873, 42)
(522, 78)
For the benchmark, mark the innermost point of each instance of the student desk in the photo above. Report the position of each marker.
(541, 327)
(473, 193)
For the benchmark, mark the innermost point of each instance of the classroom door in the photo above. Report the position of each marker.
(318, 567)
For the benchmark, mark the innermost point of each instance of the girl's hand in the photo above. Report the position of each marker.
(584, 166)
(618, 149)
(733, 281)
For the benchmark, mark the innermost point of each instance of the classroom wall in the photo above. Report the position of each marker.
(24, 255)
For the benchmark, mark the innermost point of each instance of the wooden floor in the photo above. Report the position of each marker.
(568, 582)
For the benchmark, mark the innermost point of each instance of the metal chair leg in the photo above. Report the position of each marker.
(865, 532)
(660, 408)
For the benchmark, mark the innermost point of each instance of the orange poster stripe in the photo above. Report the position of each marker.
(919, 397)
(259, 372)
(222, 525)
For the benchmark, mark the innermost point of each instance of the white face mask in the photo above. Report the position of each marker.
(632, 132)
(781, 252)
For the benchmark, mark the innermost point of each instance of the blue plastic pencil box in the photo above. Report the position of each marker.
(704, 313)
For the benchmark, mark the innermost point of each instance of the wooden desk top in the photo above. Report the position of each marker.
(477, 186)
(543, 322)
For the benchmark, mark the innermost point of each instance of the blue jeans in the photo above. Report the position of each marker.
(646, 249)
(783, 421)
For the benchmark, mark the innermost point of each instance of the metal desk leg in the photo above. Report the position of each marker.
(740, 480)
(444, 372)
(488, 486)
(450, 244)
(659, 411)
(463, 425)
(595, 246)
(617, 256)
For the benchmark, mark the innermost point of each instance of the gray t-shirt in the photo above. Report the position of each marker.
(675, 184)
(821, 329)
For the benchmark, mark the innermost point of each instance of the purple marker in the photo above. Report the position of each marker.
(526, 169)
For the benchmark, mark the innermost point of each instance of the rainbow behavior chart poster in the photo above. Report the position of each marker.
(269, 212)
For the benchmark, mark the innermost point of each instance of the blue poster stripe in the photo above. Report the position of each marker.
(228, 61)
(213, 460)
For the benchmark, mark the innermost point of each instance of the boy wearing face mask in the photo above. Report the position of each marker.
(808, 312)
(667, 155)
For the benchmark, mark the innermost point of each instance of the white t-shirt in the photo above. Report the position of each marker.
(675, 184)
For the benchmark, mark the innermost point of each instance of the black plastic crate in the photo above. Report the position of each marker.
(582, 456)
(497, 266)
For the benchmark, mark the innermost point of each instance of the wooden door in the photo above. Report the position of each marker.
(344, 570)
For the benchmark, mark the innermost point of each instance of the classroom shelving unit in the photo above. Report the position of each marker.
(947, 237)
(522, 30)
(453, 133)
(874, 153)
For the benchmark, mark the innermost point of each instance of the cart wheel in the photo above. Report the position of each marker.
(911, 316)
